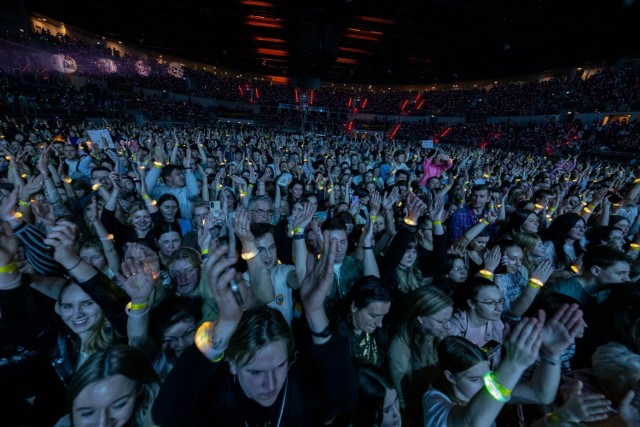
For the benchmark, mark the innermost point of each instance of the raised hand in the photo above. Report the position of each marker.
(317, 284)
(436, 209)
(523, 343)
(303, 218)
(492, 258)
(415, 207)
(62, 238)
(8, 244)
(543, 271)
(241, 226)
(8, 206)
(136, 280)
(375, 202)
(390, 199)
(584, 407)
(220, 275)
(45, 213)
(560, 331)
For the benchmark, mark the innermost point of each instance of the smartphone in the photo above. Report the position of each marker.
(215, 205)
(491, 347)
(354, 200)
(614, 198)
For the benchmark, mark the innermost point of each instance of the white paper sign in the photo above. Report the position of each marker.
(101, 138)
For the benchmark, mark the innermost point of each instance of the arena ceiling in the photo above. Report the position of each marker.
(367, 41)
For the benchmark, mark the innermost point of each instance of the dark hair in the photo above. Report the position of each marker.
(334, 223)
(367, 290)
(557, 234)
(257, 328)
(603, 256)
(516, 219)
(168, 170)
(456, 354)
(479, 187)
(171, 311)
(167, 227)
(119, 360)
(469, 291)
(373, 384)
(168, 196)
(99, 169)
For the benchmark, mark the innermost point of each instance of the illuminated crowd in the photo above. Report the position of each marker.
(180, 270)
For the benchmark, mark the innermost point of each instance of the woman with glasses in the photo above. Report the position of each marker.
(478, 309)
(469, 392)
(412, 354)
(173, 325)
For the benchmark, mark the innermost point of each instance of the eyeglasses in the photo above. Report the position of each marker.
(172, 340)
(444, 324)
(497, 304)
(182, 273)
(262, 212)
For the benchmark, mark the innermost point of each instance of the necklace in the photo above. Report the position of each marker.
(284, 399)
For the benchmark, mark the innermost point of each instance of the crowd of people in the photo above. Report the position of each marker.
(237, 275)
(204, 273)
(609, 89)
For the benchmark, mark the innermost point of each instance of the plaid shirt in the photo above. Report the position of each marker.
(465, 218)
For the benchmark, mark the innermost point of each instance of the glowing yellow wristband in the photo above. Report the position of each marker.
(498, 392)
(23, 203)
(9, 268)
(486, 273)
(247, 256)
(146, 196)
(635, 246)
(373, 218)
(157, 165)
(205, 251)
(131, 306)
(438, 222)
(410, 222)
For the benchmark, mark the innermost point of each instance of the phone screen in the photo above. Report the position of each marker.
(354, 200)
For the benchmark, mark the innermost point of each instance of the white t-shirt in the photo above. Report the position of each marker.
(436, 407)
(283, 301)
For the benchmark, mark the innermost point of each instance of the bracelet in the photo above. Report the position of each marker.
(203, 342)
(75, 265)
(157, 165)
(13, 282)
(634, 246)
(486, 273)
(298, 230)
(373, 217)
(549, 361)
(248, 256)
(497, 391)
(188, 168)
(12, 267)
(23, 203)
(205, 251)
(438, 222)
(141, 306)
(410, 222)
(219, 358)
(535, 283)
(326, 333)
(367, 248)
(298, 236)
(551, 417)
(146, 196)
(134, 313)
